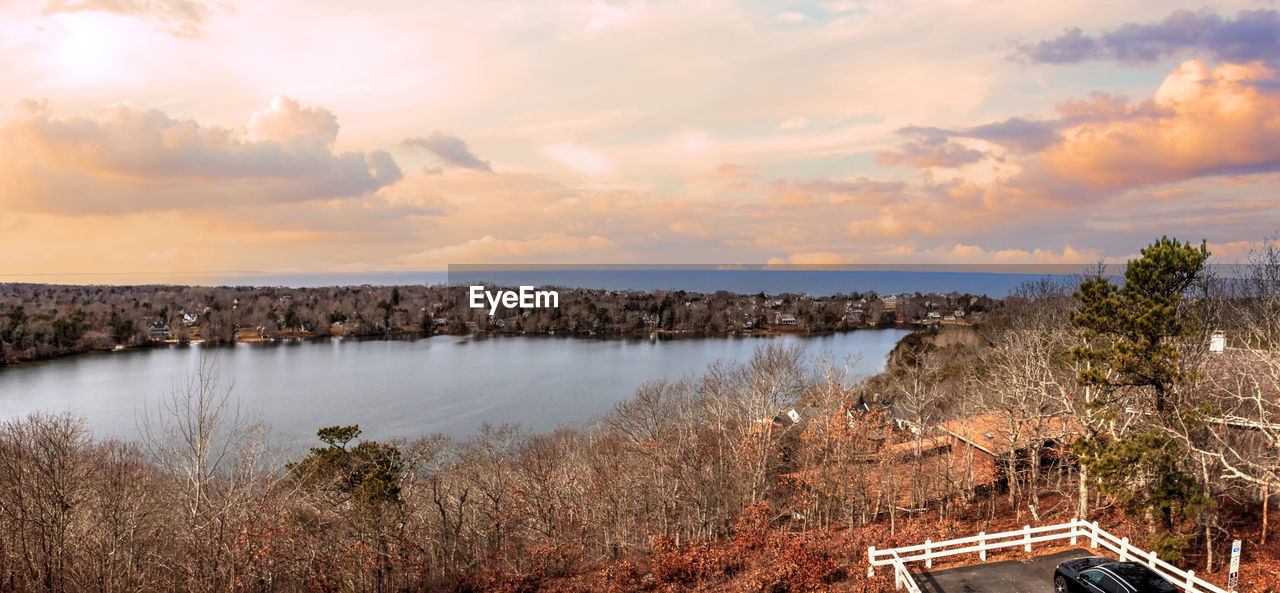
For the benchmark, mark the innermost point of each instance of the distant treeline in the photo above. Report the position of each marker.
(40, 321)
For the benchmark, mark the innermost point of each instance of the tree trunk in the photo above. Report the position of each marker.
(1082, 512)
(1208, 520)
(1266, 498)
(1033, 487)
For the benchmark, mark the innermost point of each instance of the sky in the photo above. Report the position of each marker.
(142, 140)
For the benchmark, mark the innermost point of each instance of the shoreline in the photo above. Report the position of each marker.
(89, 319)
(656, 334)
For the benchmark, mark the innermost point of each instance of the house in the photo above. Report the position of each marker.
(190, 319)
(1218, 341)
(979, 444)
(499, 323)
(786, 319)
(935, 315)
(949, 318)
(748, 324)
(959, 313)
(159, 331)
(796, 415)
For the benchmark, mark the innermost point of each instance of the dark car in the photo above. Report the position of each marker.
(1096, 574)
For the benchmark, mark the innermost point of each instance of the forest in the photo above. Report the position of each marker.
(1149, 403)
(40, 321)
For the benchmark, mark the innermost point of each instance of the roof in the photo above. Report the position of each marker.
(906, 448)
(998, 434)
(797, 414)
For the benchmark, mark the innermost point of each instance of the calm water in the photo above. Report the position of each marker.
(446, 384)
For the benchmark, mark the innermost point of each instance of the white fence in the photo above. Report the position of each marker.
(1075, 530)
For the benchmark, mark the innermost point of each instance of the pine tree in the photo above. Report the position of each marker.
(1129, 340)
(1131, 330)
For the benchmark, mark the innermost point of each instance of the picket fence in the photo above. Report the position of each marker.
(1076, 529)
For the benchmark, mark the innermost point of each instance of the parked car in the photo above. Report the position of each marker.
(1096, 574)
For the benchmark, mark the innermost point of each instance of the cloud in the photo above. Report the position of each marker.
(286, 121)
(180, 18)
(934, 151)
(734, 171)
(1200, 122)
(956, 253)
(695, 228)
(583, 160)
(1254, 35)
(121, 159)
(793, 17)
(862, 191)
(1103, 107)
(451, 150)
(793, 123)
(536, 247)
(1022, 135)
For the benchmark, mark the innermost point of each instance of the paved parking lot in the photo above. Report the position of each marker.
(998, 577)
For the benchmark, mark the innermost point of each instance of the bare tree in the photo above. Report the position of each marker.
(44, 481)
(217, 460)
(1025, 382)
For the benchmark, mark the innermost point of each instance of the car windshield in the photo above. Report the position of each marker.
(1142, 578)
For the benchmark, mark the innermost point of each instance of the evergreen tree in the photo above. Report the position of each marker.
(368, 472)
(1132, 330)
(1129, 345)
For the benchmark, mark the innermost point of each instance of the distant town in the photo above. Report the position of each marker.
(39, 321)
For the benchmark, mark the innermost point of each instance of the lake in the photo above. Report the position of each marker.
(409, 387)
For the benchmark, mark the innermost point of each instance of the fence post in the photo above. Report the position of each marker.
(1026, 535)
(1151, 559)
(871, 558)
(1074, 530)
(1094, 534)
(1124, 549)
(1191, 580)
(897, 576)
(982, 546)
(928, 554)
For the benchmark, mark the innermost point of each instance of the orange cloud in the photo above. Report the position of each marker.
(286, 121)
(537, 247)
(1204, 122)
(123, 159)
(180, 18)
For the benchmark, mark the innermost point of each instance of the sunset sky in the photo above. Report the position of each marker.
(149, 138)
